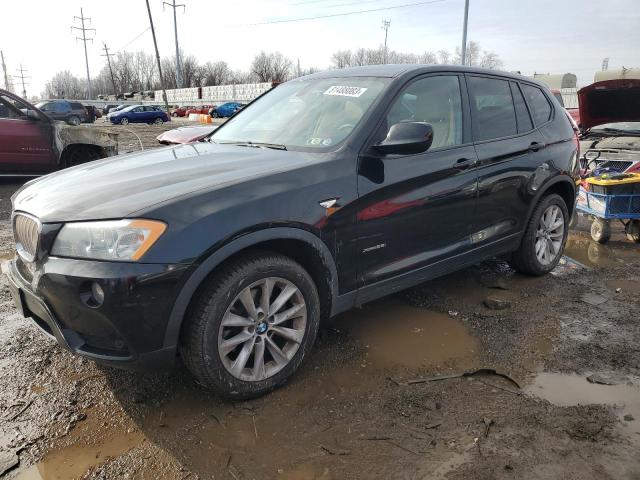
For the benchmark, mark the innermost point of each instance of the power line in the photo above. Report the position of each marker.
(133, 40)
(175, 30)
(290, 20)
(109, 55)
(84, 38)
(22, 77)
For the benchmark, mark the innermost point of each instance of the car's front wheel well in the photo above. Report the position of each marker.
(298, 250)
(78, 153)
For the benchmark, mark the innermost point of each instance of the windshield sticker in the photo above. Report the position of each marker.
(345, 91)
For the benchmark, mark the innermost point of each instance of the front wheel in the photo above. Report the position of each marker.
(215, 114)
(124, 121)
(174, 114)
(252, 326)
(544, 238)
(601, 230)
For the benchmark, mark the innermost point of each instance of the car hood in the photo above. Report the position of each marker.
(185, 134)
(609, 101)
(120, 186)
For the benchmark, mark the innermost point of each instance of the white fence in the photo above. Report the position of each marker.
(214, 94)
(569, 97)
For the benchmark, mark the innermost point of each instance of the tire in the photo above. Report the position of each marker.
(73, 120)
(215, 114)
(174, 114)
(158, 121)
(76, 155)
(541, 247)
(632, 229)
(218, 314)
(600, 230)
(124, 121)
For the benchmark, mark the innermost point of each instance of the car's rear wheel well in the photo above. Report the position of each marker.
(80, 153)
(298, 250)
(566, 191)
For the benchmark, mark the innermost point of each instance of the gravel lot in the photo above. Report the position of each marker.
(350, 413)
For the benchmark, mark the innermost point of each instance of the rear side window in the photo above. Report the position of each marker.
(538, 103)
(522, 114)
(77, 106)
(493, 109)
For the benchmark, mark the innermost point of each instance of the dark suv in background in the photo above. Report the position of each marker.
(74, 113)
(325, 193)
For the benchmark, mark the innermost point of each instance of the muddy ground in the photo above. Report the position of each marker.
(351, 411)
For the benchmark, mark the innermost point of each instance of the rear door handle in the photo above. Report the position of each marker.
(463, 163)
(535, 146)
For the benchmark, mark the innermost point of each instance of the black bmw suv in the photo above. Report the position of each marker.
(325, 193)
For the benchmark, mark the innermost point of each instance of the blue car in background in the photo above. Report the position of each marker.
(139, 114)
(225, 110)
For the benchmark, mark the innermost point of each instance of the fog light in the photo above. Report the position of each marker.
(97, 293)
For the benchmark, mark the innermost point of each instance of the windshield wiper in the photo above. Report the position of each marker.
(275, 146)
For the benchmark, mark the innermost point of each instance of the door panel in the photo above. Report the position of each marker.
(415, 210)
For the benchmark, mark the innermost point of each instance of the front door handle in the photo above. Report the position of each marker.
(463, 163)
(535, 146)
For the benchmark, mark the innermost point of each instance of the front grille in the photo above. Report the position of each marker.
(617, 165)
(26, 233)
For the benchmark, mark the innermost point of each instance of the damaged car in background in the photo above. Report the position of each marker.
(610, 124)
(32, 144)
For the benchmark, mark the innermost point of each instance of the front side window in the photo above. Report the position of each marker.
(45, 106)
(538, 103)
(434, 100)
(492, 106)
(12, 108)
(309, 114)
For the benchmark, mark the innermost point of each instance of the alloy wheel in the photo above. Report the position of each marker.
(549, 235)
(262, 329)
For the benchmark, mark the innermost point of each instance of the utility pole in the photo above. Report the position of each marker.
(463, 51)
(22, 77)
(109, 55)
(385, 27)
(84, 38)
(175, 29)
(155, 45)
(298, 66)
(4, 70)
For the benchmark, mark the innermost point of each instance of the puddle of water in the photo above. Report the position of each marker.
(626, 285)
(396, 334)
(594, 254)
(73, 461)
(567, 390)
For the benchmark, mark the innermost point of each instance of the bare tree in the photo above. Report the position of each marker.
(216, 73)
(341, 59)
(271, 67)
(65, 85)
(444, 57)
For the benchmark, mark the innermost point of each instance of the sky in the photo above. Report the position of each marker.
(544, 36)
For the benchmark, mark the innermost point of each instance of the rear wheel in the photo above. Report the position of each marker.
(600, 230)
(251, 327)
(632, 229)
(158, 121)
(544, 238)
(215, 114)
(73, 120)
(174, 114)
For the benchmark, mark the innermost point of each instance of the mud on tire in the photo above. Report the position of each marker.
(525, 259)
(205, 332)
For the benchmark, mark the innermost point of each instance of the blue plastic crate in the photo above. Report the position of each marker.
(608, 206)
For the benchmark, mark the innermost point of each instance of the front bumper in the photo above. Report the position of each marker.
(126, 330)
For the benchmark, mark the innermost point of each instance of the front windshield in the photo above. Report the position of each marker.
(623, 127)
(312, 114)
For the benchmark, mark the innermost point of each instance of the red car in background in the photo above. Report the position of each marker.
(573, 112)
(180, 111)
(202, 109)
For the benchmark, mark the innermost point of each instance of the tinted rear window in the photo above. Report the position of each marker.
(522, 114)
(538, 103)
(494, 113)
(77, 106)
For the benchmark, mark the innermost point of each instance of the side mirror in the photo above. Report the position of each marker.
(406, 138)
(33, 115)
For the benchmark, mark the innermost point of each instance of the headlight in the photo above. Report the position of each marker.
(123, 240)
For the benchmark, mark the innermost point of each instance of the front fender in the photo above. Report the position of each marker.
(209, 264)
